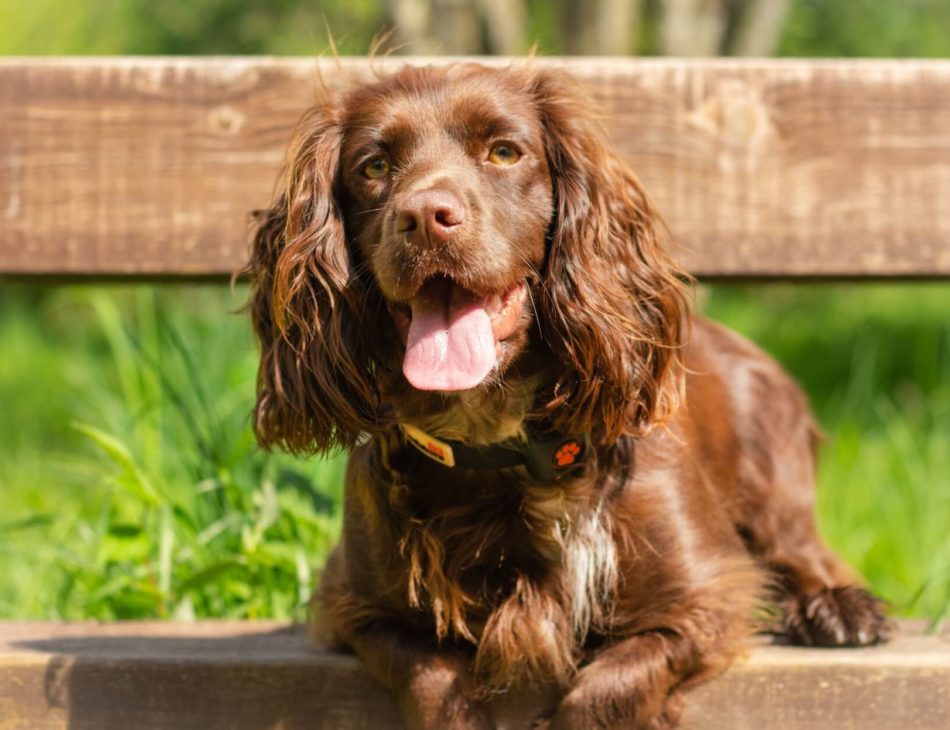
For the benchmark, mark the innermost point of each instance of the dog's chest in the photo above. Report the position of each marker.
(546, 535)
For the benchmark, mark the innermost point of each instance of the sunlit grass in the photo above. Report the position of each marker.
(132, 487)
(138, 490)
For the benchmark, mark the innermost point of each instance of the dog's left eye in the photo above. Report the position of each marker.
(376, 168)
(503, 154)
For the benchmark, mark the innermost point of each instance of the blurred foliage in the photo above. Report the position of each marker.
(64, 27)
(890, 28)
(45, 27)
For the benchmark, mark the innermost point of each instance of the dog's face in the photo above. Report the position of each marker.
(429, 225)
(447, 196)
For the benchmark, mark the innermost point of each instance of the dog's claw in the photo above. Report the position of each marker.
(843, 616)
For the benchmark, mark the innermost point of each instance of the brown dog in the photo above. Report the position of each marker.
(558, 474)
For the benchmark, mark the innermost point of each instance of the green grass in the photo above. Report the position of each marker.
(130, 485)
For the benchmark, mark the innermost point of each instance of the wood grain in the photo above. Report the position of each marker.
(148, 166)
(263, 675)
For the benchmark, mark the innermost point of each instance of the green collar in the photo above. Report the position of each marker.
(547, 455)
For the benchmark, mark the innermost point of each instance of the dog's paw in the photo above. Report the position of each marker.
(441, 695)
(570, 716)
(455, 713)
(843, 616)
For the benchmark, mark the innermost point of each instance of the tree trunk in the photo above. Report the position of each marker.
(506, 23)
(694, 27)
(760, 28)
(410, 22)
(599, 27)
(434, 27)
(455, 27)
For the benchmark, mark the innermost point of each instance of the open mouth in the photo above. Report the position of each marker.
(453, 336)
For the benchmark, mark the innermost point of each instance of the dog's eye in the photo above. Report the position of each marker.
(503, 154)
(376, 168)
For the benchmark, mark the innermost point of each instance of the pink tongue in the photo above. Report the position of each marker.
(450, 344)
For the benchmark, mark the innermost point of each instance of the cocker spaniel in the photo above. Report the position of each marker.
(557, 473)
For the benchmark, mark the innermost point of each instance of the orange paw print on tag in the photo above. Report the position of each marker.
(567, 453)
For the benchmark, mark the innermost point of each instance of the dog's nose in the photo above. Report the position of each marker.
(430, 213)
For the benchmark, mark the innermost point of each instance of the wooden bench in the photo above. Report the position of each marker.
(256, 675)
(145, 169)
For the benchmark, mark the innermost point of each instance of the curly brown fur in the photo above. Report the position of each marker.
(435, 191)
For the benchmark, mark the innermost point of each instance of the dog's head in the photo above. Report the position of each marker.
(435, 225)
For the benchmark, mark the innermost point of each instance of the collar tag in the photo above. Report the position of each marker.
(551, 455)
(429, 445)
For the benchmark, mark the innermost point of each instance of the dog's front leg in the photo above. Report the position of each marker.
(631, 684)
(432, 684)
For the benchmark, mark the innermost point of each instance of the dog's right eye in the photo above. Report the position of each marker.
(503, 154)
(376, 168)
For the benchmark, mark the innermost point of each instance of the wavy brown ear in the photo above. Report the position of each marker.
(614, 306)
(315, 386)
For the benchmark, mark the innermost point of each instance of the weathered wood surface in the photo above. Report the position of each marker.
(148, 166)
(262, 675)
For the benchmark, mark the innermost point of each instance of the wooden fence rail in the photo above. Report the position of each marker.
(148, 166)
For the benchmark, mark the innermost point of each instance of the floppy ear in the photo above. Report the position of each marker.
(614, 304)
(315, 386)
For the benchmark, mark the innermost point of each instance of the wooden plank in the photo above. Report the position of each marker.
(262, 675)
(765, 168)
